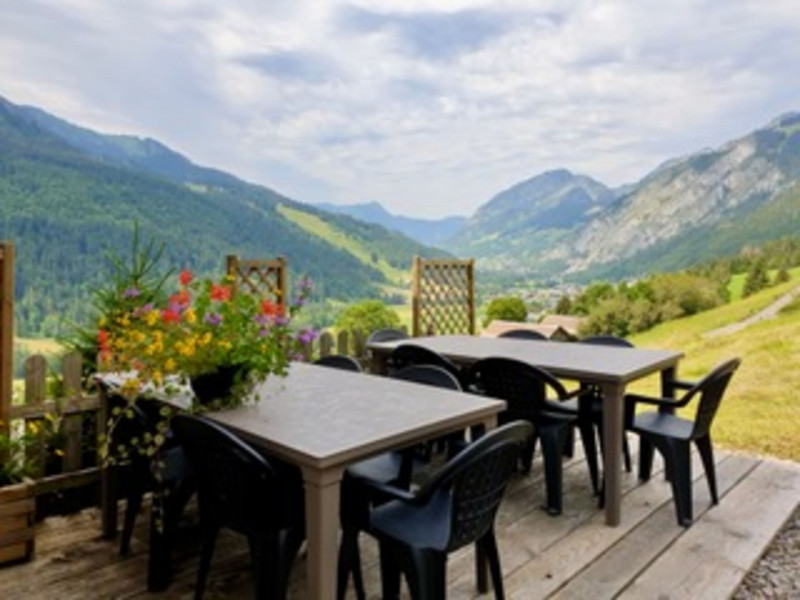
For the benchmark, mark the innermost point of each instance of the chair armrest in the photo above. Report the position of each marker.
(666, 402)
(682, 384)
(390, 491)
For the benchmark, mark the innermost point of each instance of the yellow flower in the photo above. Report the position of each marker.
(152, 317)
(190, 316)
(170, 365)
(131, 387)
(33, 427)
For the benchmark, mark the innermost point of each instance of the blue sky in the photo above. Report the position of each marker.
(429, 107)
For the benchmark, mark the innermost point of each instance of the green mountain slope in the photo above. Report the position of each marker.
(63, 207)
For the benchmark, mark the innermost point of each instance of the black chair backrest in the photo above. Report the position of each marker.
(711, 388)
(339, 361)
(406, 355)
(606, 340)
(428, 375)
(237, 487)
(523, 334)
(387, 335)
(475, 479)
(522, 386)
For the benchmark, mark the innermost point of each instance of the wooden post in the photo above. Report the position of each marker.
(282, 282)
(6, 333)
(35, 387)
(471, 298)
(73, 424)
(416, 273)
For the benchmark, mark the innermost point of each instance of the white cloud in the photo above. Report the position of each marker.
(428, 107)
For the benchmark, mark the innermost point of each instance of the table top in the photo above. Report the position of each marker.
(570, 360)
(323, 417)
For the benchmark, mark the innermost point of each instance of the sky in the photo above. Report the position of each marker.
(428, 107)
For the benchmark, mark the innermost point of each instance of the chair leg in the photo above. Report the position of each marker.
(390, 571)
(707, 454)
(626, 453)
(134, 504)
(645, 458)
(349, 562)
(552, 445)
(489, 545)
(677, 461)
(209, 540)
(569, 443)
(526, 456)
(426, 573)
(590, 450)
(290, 542)
(265, 556)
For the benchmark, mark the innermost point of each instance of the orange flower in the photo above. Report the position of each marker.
(185, 277)
(271, 309)
(182, 298)
(220, 293)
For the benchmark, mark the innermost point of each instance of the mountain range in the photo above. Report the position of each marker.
(711, 203)
(69, 195)
(432, 232)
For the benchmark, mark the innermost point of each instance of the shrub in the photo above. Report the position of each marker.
(505, 308)
(367, 316)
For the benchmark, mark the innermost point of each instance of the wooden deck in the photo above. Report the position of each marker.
(571, 556)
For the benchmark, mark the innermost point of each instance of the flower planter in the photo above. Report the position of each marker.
(17, 512)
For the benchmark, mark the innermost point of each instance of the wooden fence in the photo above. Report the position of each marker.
(443, 296)
(6, 332)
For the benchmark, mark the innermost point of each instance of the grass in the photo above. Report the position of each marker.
(334, 236)
(760, 412)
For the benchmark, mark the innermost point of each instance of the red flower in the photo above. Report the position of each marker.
(171, 316)
(102, 339)
(182, 298)
(220, 293)
(271, 309)
(185, 277)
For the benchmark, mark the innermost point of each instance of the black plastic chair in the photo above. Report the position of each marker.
(406, 355)
(589, 409)
(672, 435)
(243, 490)
(524, 334)
(456, 507)
(391, 468)
(339, 361)
(386, 335)
(524, 388)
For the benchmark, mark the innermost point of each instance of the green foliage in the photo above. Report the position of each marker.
(564, 305)
(756, 280)
(632, 308)
(367, 316)
(782, 276)
(26, 449)
(505, 308)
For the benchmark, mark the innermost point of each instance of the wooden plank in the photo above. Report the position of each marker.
(6, 333)
(416, 273)
(72, 425)
(713, 556)
(67, 407)
(65, 481)
(562, 560)
(12, 553)
(623, 562)
(35, 379)
(10, 538)
(17, 507)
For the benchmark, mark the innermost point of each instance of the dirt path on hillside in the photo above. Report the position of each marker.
(767, 313)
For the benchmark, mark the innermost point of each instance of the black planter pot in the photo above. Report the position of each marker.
(216, 385)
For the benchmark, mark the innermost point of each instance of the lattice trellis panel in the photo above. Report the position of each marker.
(443, 296)
(266, 278)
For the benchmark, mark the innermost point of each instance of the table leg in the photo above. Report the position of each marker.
(613, 411)
(322, 489)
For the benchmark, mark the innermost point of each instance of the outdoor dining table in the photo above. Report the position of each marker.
(322, 420)
(612, 368)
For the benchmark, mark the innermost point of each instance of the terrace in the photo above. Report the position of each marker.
(574, 555)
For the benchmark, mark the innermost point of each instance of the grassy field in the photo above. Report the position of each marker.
(760, 412)
(317, 226)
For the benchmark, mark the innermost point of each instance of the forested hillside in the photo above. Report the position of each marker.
(65, 209)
